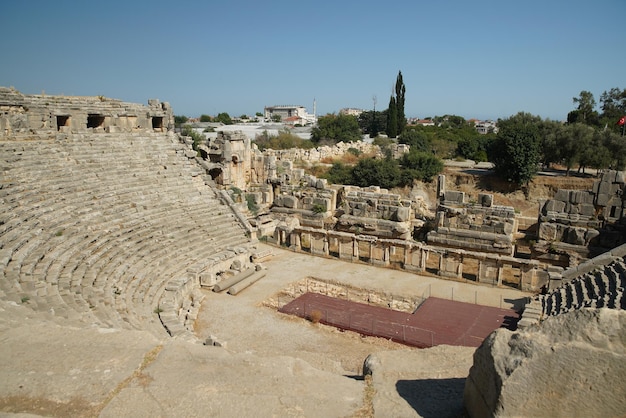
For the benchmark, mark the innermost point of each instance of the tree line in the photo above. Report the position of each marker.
(523, 144)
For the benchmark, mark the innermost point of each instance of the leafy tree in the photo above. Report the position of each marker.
(474, 147)
(372, 172)
(585, 112)
(276, 117)
(336, 128)
(224, 118)
(179, 120)
(617, 149)
(596, 154)
(372, 122)
(549, 131)
(571, 141)
(392, 118)
(417, 138)
(419, 165)
(339, 173)
(613, 105)
(205, 118)
(515, 152)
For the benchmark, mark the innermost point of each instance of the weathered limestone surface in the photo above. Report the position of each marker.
(571, 365)
(27, 115)
(480, 226)
(404, 384)
(581, 218)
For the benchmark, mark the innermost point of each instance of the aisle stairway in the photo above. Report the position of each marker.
(597, 283)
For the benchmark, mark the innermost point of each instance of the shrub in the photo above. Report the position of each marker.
(252, 207)
(318, 208)
(316, 316)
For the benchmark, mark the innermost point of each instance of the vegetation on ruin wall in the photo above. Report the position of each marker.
(284, 140)
(387, 172)
(453, 137)
(198, 138)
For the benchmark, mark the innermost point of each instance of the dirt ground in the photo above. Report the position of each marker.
(263, 331)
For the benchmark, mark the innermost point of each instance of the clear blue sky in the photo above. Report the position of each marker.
(484, 59)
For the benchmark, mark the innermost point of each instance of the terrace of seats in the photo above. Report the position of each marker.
(598, 283)
(93, 226)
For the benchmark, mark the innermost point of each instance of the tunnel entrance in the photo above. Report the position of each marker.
(95, 121)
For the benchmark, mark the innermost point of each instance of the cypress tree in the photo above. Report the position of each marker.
(392, 118)
(400, 92)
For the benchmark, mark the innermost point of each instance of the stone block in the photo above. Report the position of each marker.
(575, 236)
(562, 195)
(596, 187)
(290, 202)
(485, 199)
(554, 206)
(586, 209)
(547, 232)
(602, 199)
(580, 196)
(454, 196)
(403, 214)
(605, 187)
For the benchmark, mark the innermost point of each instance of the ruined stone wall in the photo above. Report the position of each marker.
(476, 226)
(456, 264)
(228, 158)
(42, 115)
(374, 211)
(316, 155)
(586, 218)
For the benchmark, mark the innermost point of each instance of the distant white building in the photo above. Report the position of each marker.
(486, 126)
(351, 111)
(290, 114)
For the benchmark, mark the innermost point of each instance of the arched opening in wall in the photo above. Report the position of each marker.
(217, 175)
(235, 158)
(95, 121)
(63, 121)
(157, 123)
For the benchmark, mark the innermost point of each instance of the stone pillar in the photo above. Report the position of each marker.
(441, 186)
(326, 252)
(528, 278)
(355, 249)
(295, 241)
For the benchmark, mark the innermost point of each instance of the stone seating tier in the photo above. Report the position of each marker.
(92, 227)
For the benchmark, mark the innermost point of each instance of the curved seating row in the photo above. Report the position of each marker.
(93, 227)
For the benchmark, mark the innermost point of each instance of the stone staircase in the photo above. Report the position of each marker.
(597, 283)
(93, 227)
